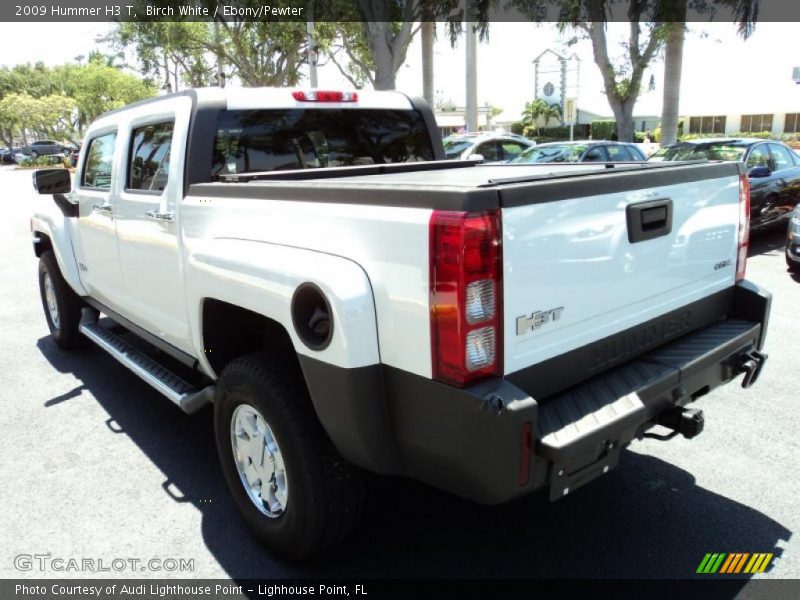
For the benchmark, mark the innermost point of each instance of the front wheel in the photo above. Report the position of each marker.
(292, 486)
(62, 306)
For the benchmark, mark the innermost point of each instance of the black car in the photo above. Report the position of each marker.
(47, 148)
(7, 155)
(773, 169)
(581, 151)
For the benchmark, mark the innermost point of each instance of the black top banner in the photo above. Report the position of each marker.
(380, 10)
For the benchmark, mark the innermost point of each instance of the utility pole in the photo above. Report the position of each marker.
(472, 71)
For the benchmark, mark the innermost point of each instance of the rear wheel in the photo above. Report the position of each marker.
(292, 486)
(62, 306)
(794, 266)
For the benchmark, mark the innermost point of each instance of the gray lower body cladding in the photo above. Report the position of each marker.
(470, 441)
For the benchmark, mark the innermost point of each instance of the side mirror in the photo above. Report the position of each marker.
(52, 181)
(476, 157)
(760, 172)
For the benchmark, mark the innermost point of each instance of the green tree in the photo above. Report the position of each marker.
(258, 53)
(97, 88)
(168, 51)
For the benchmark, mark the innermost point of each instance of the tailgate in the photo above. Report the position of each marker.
(591, 256)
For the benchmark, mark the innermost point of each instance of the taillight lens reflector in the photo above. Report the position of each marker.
(744, 227)
(466, 299)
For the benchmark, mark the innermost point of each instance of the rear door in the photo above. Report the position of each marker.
(148, 220)
(573, 275)
(787, 168)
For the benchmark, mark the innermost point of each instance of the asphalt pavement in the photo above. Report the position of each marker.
(96, 465)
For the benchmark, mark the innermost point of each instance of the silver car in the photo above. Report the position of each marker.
(491, 147)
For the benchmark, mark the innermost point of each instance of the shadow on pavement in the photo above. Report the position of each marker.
(770, 240)
(647, 518)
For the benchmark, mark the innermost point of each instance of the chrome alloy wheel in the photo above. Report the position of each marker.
(50, 297)
(259, 461)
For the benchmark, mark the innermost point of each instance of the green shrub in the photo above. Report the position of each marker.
(557, 134)
(604, 130)
(518, 128)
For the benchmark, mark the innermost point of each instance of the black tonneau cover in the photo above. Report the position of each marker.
(460, 185)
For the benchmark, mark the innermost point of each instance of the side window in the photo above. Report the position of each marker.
(781, 156)
(618, 153)
(489, 151)
(148, 157)
(97, 166)
(595, 154)
(759, 157)
(511, 150)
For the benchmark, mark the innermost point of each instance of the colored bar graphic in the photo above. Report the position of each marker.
(759, 562)
(711, 562)
(732, 563)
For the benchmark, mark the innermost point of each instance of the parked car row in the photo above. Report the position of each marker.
(772, 167)
(10, 156)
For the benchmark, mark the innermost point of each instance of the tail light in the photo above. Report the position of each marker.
(466, 296)
(744, 226)
(324, 96)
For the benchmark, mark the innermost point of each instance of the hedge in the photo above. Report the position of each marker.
(604, 130)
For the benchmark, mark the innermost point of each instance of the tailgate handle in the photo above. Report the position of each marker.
(649, 220)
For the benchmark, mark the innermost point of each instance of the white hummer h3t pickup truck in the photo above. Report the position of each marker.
(350, 302)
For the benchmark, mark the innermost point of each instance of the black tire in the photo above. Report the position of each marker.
(34, 154)
(325, 493)
(794, 266)
(64, 333)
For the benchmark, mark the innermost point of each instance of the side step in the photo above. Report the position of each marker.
(186, 396)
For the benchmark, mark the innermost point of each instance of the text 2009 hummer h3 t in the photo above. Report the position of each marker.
(487, 329)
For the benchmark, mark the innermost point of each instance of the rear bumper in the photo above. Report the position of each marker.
(470, 442)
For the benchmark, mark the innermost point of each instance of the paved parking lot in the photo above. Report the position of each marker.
(97, 465)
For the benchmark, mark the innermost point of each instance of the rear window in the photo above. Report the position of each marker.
(554, 153)
(720, 151)
(270, 140)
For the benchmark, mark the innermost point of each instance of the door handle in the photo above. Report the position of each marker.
(104, 209)
(649, 220)
(160, 216)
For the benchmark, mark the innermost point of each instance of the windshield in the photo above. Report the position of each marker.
(718, 151)
(556, 153)
(453, 147)
(280, 139)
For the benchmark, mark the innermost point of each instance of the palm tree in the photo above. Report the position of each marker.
(427, 33)
(673, 12)
(553, 111)
(533, 111)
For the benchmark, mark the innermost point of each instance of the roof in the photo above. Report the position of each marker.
(584, 143)
(274, 97)
(573, 56)
(732, 141)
